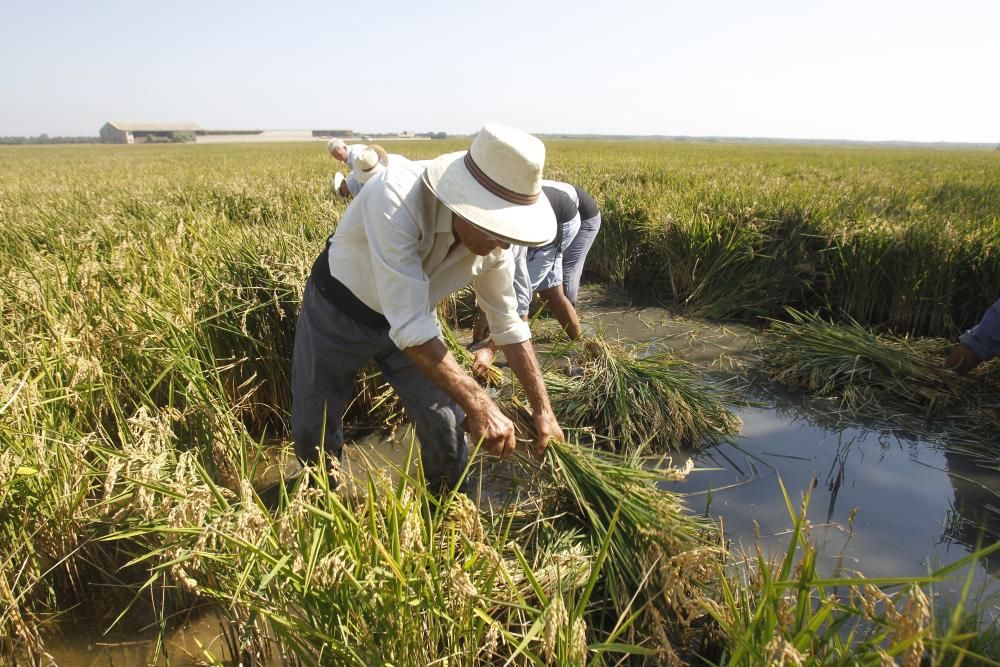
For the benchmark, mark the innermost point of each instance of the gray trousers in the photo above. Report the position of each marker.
(330, 347)
(576, 254)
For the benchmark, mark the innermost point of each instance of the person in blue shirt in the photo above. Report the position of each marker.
(978, 344)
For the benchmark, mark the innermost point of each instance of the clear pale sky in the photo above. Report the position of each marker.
(870, 70)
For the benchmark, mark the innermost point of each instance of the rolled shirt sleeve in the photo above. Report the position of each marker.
(984, 338)
(495, 295)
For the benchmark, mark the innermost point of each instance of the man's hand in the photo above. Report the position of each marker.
(482, 361)
(488, 423)
(344, 192)
(961, 359)
(521, 358)
(483, 419)
(546, 428)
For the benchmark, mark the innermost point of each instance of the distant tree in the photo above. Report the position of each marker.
(181, 137)
(439, 135)
(46, 139)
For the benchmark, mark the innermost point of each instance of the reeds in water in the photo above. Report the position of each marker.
(786, 611)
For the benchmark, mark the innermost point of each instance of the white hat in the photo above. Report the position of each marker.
(383, 157)
(367, 164)
(334, 144)
(497, 185)
(338, 179)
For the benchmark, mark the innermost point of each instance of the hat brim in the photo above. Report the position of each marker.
(522, 224)
(365, 176)
(338, 180)
(383, 157)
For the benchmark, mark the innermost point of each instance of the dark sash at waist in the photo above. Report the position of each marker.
(342, 298)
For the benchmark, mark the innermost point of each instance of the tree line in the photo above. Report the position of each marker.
(46, 139)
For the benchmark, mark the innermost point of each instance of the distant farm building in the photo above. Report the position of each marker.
(115, 132)
(140, 133)
(333, 133)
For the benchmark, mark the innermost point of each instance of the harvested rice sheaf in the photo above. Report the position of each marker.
(657, 400)
(656, 550)
(866, 371)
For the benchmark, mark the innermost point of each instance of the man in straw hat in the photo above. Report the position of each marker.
(416, 233)
(368, 163)
(363, 161)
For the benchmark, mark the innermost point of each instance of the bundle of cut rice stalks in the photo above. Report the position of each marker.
(869, 373)
(657, 401)
(375, 405)
(659, 558)
(459, 309)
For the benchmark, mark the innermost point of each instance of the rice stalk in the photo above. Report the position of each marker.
(656, 401)
(868, 372)
(660, 558)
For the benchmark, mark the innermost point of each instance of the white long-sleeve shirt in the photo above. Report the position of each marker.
(395, 249)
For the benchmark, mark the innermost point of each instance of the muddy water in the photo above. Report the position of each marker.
(915, 505)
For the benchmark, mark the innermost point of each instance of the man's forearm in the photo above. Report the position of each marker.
(436, 362)
(521, 359)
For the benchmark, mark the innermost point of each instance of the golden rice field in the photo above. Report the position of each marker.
(148, 297)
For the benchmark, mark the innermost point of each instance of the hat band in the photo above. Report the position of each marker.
(496, 188)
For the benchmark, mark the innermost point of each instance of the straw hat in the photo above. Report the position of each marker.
(383, 157)
(496, 185)
(367, 164)
(338, 180)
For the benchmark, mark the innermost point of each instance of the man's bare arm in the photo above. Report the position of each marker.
(563, 310)
(521, 359)
(485, 420)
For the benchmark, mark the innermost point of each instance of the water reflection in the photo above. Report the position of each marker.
(974, 520)
(886, 503)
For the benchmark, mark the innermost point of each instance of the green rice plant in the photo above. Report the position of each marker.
(659, 557)
(394, 576)
(786, 612)
(147, 302)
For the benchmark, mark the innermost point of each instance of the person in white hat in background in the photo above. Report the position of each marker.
(368, 163)
(341, 152)
(417, 232)
(362, 160)
(539, 271)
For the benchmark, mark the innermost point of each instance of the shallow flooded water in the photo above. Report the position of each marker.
(916, 505)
